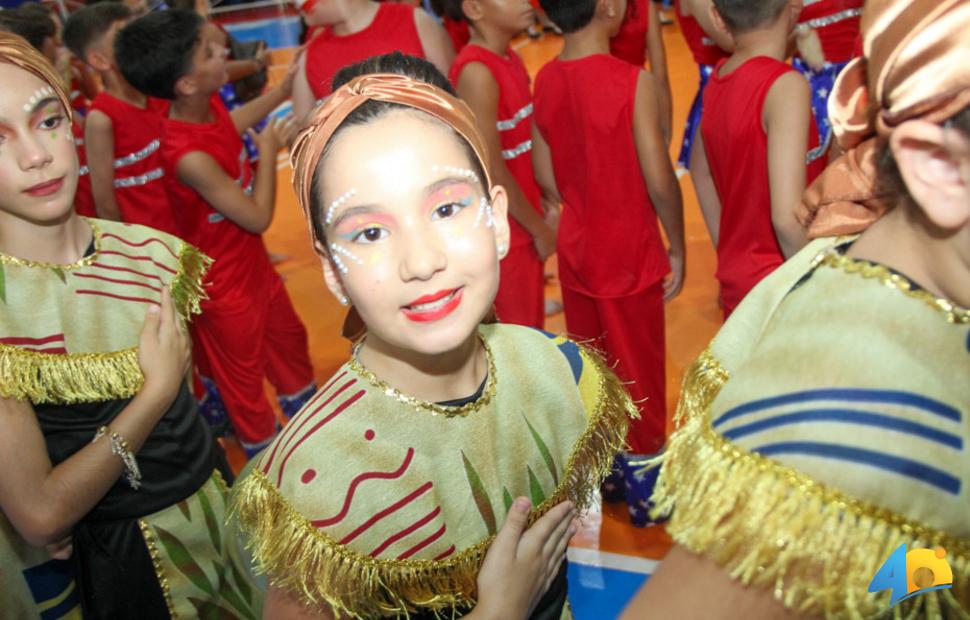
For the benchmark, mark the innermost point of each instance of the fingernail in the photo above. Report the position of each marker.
(522, 503)
(153, 309)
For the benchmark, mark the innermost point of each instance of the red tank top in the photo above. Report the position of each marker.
(391, 30)
(138, 168)
(78, 101)
(630, 43)
(457, 31)
(737, 150)
(514, 121)
(241, 265)
(609, 243)
(83, 200)
(704, 50)
(837, 25)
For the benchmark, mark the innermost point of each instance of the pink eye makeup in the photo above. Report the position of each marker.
(352, 228)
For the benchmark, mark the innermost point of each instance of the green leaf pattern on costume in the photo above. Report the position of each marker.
(183, 561)
(480, 495)
(544, 451)
(535, 489)
(207, 610)
(210, 521)
(507, 499)
(60, 274)
(184, 507)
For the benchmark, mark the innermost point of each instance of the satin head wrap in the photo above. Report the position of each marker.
(916, 65)
(389, 87)
(16, 51)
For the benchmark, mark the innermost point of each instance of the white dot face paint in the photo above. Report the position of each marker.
(337, 250)
(339, 202)
(39, 95)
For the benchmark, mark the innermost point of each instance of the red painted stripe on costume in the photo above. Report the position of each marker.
(421, 490)
(445, 553)
(352, 489)
(424, 543)
(127, 270)
(143, 243)
(408, 530)
(113, 280)
(141, 258)
(24, 340)
(292, 431)
(52, 350)
(121, 297)
(340, 409)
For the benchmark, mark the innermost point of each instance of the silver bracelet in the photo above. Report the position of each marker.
(119, 447)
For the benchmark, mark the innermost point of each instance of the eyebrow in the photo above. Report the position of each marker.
(37, 106)
(371, 208)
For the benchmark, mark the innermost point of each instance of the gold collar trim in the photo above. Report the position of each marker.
(434, 408)
(83, 262)
(832, 257)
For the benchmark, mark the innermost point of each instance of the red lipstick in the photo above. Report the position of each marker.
(434, 306)
(46, 188)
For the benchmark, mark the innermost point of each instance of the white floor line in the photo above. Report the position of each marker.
(615, 561)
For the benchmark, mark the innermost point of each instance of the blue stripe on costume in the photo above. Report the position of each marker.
(570, 351)
(821, 83)
(904, 467)
(855, 395)
(849, 416)
(694, 118)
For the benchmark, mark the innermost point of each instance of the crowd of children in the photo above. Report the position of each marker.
(141, 315)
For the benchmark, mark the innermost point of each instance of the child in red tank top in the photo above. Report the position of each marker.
(491, 78)
(598, 122)
(248, 331)
(640, 40)
(761, 146)
(353, 30)
(123, 129)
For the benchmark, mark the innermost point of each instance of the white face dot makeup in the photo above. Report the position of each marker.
(464, 173)
(339, 202)
(336, 251)
(39, 95)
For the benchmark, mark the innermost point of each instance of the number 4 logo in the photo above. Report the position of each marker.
(910, 573)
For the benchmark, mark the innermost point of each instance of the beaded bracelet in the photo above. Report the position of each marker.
(119, 447)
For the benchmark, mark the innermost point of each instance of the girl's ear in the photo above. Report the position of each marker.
(332, 280)
(934, 162)
(500, 217)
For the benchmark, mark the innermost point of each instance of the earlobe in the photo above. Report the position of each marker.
(185, 85)
(500, 219)
(932, 163)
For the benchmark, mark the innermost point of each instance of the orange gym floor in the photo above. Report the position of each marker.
(692, 318)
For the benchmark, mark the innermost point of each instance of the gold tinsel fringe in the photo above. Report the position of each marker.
(770, 526)
(45, 378)
(303, 560)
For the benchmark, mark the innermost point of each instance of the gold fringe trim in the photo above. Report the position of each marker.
(770, 526)
(303, 560)
(45, 378)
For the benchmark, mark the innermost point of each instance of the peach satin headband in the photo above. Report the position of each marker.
(916, 65)
(388, 87)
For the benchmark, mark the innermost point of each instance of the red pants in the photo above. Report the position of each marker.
(631, 331)
(243, 343)
(521, 290)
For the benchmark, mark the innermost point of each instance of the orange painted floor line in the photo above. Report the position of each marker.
(692, 319)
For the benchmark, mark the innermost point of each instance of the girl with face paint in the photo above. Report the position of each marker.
(386, 494)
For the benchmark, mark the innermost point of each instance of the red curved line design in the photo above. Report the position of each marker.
(286, 438)
(408, 530)
(424, 543)
(143, 243)
(337, 411)
(445, 553)
(125, 269)
(370, 475)
(25, 340)
(421, 490)
(121, 297)
(115, 281)
(141, 258)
